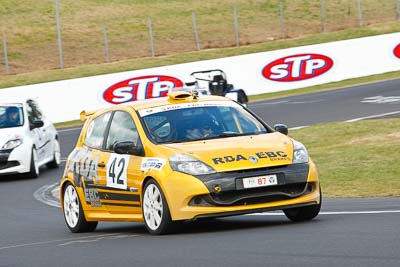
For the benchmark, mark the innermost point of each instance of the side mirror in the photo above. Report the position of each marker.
(282, 128)
(36, 124)
(127, 147)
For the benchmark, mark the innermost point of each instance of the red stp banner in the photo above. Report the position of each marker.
(396, 51)
(297, 67)
(142, 87)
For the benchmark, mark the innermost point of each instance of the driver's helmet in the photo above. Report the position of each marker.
(191, 82)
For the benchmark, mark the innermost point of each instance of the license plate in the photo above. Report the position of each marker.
(260, 181)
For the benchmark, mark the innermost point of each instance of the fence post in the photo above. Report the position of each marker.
(235, 18)
(323, 15)
(60, 53)
(196, 33)
(360, 18)
(6, 55)
(150, 25)
(397, 9)
(282, 20)
(106, 50)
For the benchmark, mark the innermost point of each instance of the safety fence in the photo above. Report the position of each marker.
(67, 33)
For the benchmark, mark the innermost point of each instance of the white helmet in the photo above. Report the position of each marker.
(191, 81)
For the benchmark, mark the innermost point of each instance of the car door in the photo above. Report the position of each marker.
(123, 173)
(38, 134)
(47, 130)
(89, 164)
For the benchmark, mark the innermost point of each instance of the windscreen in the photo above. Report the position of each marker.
(199, 121)
(11, 116)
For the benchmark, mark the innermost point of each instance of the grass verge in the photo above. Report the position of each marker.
(358, 159)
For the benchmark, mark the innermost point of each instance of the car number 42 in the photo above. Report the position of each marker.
(117, 167)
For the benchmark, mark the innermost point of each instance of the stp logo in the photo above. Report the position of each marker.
(297, 68)
(396, 51)
(141, 88)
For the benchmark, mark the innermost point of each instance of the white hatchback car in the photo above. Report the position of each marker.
(27, 139)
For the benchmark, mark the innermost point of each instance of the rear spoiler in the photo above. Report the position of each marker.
(85, 114)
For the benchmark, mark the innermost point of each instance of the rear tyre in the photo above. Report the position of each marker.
(73, 212)
(304, 213)
(155, 209)
(34, 166)
(55, 163)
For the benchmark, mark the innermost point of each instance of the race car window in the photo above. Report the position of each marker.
(96, 130)
(33, 110)
(182, 123)
(122, 128)
(11, 116)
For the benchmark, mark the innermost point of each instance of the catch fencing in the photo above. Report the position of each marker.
(189, 26)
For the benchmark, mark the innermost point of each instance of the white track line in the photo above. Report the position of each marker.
(332, 212)
(374, 116)
(65, 240)
(41, 195)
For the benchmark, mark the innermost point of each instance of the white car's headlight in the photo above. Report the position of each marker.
(189, 165)
(11, 144)
(300, 154)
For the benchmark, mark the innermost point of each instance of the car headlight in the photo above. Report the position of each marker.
(11, 144)
(300, 154)
(189, 165)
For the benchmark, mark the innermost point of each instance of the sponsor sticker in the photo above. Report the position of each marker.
(297, 67)
(152, 163)
(142, 87)
(149, 111)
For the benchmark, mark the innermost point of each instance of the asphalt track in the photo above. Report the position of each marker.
(348, 232)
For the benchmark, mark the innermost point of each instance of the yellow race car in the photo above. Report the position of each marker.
(184, 157)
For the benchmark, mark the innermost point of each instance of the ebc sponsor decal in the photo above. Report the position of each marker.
(143, 87)
(396, 51)
(273, 156)
(297, 67)
(152, 163)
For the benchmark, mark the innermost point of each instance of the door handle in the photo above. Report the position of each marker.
(101, 165)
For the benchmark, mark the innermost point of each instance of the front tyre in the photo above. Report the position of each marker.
(34, 165)
(304, 213)
(55, 163)
(155, 210)
(73, 212)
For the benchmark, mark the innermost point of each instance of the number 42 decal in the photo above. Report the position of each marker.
(117, 167)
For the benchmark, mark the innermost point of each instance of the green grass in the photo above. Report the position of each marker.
(358, 159)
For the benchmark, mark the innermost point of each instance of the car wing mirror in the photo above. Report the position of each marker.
(127, 147)
(282, 128)
(36, 124)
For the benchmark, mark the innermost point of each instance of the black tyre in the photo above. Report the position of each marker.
(34, 166)
(55, 163)
(304, 213)
(155, 210)
(73, 212)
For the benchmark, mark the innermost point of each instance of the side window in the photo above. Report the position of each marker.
(33, 110)
(122, 129)
(95, 133)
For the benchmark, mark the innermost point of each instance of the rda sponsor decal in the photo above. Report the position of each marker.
(143, 87)
(297, 67)
(271, 155)
(396, 51)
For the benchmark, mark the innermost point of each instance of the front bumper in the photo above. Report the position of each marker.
(14, 161)
(298, 185)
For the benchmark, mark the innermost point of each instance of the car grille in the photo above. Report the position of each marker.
(8, 164)
(253, 195)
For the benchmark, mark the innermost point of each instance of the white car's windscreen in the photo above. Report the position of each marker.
(11, 116)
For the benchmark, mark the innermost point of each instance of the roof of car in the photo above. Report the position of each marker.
(170, 100)
(13, 99)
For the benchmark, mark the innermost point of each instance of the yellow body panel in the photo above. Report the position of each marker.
(101, 203)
